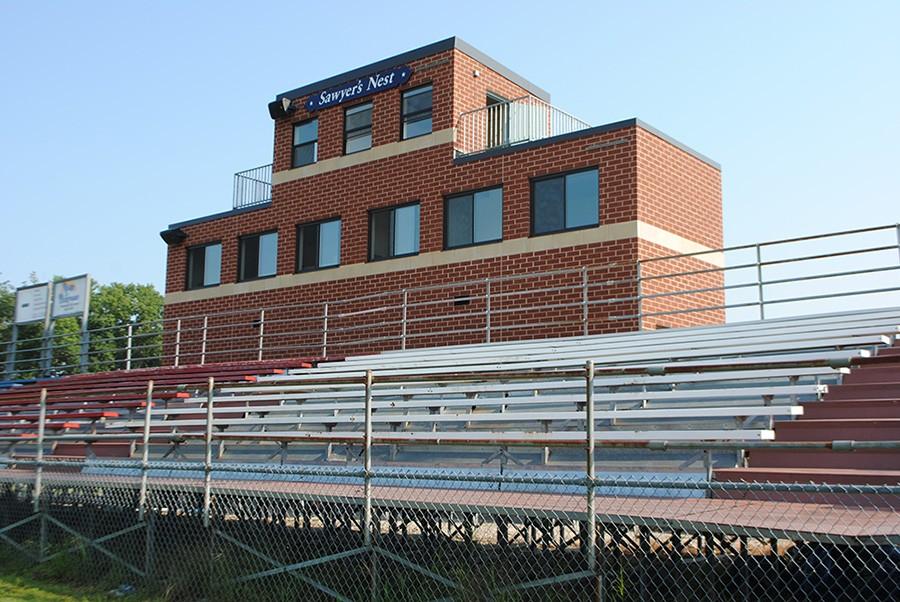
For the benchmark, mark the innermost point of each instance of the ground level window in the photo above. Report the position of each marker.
(565, 202)
(473, 218)
(394, 232)
(204, 265)
(318, 245)
(257, 256)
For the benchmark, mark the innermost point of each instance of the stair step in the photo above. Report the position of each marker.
(851, 408)
(837, 476)
(825, 459)
(830, 476)
(866, 375)
(858, 429)
(864, 391)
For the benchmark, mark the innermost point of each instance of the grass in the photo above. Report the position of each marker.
(19, 588)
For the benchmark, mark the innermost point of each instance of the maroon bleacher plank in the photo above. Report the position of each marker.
(851, 408)
(60, 416)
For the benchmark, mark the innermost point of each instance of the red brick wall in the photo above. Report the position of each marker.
(641, 177)
(294, 315)
(678, 192)
(426, 176)
(661, 278)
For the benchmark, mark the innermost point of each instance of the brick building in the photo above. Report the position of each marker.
(440, 166)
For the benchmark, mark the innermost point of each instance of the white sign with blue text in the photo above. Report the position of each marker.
(70, 296)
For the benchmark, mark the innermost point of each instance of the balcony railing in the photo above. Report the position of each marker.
(508, 123)
(253, 186)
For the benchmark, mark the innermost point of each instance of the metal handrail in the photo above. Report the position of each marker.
(252, 187)
(393, 319)
(516, 121)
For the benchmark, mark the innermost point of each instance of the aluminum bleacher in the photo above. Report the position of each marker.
(728, 383)
(720, 383)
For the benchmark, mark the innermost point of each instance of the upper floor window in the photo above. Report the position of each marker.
(394, 232)
(204, 266)
(318, 245)
(358, 128)
(565, 202)
(257, 256)
(306, 143)
(416, 112)
(473, 218)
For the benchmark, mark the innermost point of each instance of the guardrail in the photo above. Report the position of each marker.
(513, 122)
(777, 278)
(253, 187)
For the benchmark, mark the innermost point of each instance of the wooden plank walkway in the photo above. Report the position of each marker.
(753, 518)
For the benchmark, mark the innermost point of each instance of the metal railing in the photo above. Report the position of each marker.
(253, 186)
(513, 122)
(852, 269)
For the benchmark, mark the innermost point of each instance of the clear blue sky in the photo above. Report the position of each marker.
(118, 118)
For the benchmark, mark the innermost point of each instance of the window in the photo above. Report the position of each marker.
(306, 143)
(318, 245)
(473, 218)
(565, 202)
(358, 128)
(416, 112)
(257, 256)
(204, 265)
(394, 232)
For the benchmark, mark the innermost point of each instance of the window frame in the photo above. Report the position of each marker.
(403, 116)
(187, 268)
(256, 235)
(472, 193)
(298, 269)
(392, 209)
(359, 129)
(563, 174)
(314, 142)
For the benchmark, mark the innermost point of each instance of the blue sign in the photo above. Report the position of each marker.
(363, 86)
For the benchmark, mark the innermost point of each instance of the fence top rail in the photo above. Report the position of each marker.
(780, 241)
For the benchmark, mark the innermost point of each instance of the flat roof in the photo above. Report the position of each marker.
(412, 55)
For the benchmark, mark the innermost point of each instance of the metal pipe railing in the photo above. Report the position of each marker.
(626, 295)
(253, 186)
(523, 119)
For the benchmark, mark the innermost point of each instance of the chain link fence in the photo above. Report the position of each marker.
(354, 530)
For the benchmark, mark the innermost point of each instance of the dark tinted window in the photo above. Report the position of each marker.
(474, 218)
(257, 256)
(565, 202)
(204, 266)
(318, 245)
(394, 232)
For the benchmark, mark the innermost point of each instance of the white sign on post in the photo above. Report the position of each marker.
(31, 303)
(70, 296)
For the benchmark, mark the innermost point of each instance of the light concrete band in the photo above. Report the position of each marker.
(604, 233)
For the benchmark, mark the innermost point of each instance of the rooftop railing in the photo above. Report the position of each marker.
(253, 186)
(513, 122)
